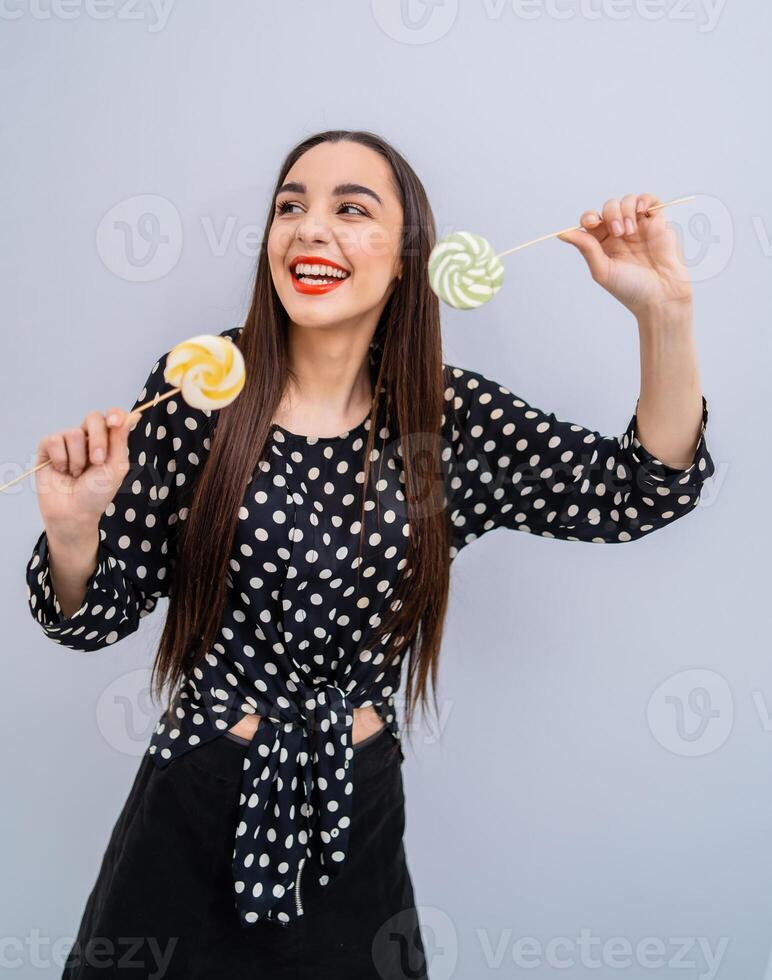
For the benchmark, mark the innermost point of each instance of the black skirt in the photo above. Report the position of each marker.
(163, 907)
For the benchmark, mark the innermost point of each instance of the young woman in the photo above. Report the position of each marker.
(303, 536)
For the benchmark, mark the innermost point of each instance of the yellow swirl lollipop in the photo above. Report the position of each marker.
(208, 371)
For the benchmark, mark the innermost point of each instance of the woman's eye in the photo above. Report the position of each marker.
(284, 207)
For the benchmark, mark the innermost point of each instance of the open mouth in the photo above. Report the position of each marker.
(318, 274)
(316, 277)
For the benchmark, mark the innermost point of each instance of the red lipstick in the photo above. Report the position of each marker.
(316, 288)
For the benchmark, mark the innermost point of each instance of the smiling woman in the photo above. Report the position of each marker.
(306, 562)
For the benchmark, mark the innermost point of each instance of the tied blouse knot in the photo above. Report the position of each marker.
(294, 638)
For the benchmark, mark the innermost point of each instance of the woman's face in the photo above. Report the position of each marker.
(337, 206)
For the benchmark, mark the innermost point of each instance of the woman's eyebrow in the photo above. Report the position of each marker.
(341, 190)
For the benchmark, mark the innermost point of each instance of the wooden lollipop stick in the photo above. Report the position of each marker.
(157, 399)
(139, 409)
(554, 234)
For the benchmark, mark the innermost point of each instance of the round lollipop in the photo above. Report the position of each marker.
(465, 272)
(207, 370)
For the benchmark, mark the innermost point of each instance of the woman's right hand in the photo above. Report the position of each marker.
(88, 465)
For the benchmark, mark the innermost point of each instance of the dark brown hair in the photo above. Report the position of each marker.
(408, 374)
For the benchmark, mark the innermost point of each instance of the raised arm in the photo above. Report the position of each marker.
(521, 467)
(111, 557)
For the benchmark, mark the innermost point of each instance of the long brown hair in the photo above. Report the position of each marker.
(409, 375)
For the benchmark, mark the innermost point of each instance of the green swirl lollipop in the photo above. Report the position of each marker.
(464, 271)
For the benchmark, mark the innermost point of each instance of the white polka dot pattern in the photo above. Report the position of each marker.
(294, 639)
(515, 466)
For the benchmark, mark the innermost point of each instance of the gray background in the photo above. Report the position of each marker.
(563, 794)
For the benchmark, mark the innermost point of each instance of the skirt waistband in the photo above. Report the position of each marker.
(359, 745)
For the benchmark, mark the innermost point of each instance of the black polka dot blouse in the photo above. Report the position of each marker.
(293, 641)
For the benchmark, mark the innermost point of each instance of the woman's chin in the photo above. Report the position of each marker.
(318, 311)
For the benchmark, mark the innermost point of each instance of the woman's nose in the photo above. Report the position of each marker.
(313, 229)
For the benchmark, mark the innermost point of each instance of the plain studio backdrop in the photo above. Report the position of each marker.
(597, 800)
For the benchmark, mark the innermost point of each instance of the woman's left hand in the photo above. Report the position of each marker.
(634, 257)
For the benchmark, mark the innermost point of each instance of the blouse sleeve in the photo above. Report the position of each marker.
(513, 465)
(136, 549)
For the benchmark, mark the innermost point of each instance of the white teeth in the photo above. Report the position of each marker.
(303, 269)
